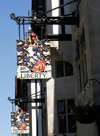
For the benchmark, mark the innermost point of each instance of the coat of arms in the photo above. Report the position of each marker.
(20, 121)
(33, 53)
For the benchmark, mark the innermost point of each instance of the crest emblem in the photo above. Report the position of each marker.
(20, 120)
(33, 53)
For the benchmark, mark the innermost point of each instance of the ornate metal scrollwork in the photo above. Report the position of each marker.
(90, 82)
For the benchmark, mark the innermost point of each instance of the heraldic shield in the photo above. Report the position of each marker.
(33, 53)
(20, 121)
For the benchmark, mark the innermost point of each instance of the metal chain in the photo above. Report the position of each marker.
(12, 106)
(46, 31)
(41, 31)
(19, 29)
(23, 30)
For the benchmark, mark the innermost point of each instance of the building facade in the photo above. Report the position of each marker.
(74, 60)
(85, 40)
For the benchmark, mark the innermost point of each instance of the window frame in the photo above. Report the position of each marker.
(81, 61)
(64, 69)
(66, 115)
(56, 70)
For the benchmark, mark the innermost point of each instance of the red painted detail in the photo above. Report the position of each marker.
(22, 127)
(20, 109)
(33, 36)
(39, 66)
(33, 45)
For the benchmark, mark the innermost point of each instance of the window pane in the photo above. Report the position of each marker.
(62, 124)
(82, 42)
(83, 74)
(71, 123)
(41, 6)
(40, 11)
(85, 61)
(59, 69)
(80, 78)
(40, 2)
(70, 103)
(68, 69)
(61, 107)
(77, 51)
(77, 54)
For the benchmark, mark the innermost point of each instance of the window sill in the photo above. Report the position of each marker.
(67, 134)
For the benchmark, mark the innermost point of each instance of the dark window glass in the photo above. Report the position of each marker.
(80, 78)
(41, 6)
(62, 124)
(70, 103)
(82, 42)
(40, 11)
(80, 46)
(59, 69)
(86, 68)
(68, 69)
(71, 124)
(40, 2)
(77, 54)
(77, 51)
(61, 107)
(62, 14)
(66, 117)
(83, 73)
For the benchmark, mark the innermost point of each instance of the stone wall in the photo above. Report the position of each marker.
(89, 19)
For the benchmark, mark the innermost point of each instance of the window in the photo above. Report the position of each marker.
(81, 61)
(80, 47)
(40, 11)
(40, 2)
(62, 124)
(62, 14)
(61, 107)
(41, 6)
(66, 120)
(63, 68)
(59, 69)
(68, 69)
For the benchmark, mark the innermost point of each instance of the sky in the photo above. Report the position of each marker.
(8, 57)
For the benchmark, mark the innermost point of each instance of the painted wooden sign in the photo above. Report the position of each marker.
(35, 56)
(19, 122)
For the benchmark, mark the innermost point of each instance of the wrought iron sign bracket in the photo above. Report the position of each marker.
(26, 20)
(95, 83)
(90, 82)
(42, 19)
(23, 100)
(36, 97)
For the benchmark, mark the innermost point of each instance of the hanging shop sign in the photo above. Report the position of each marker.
(33, 58)
(19, 122)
